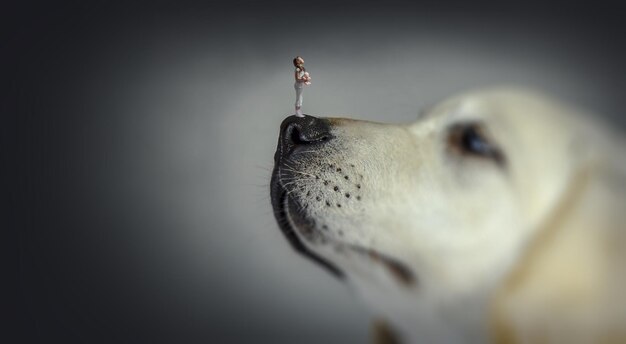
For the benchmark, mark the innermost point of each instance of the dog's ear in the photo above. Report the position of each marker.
(382, 333)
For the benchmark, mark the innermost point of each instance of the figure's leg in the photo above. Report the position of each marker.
(299, 102)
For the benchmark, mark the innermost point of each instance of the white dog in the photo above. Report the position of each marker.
(498, 216)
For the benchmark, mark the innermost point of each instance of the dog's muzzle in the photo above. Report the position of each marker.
(296, 134)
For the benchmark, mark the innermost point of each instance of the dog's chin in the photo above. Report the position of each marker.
(301, 231)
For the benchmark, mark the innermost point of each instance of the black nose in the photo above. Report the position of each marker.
(298, 132)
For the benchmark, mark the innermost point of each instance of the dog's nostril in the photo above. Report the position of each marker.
(295, 136)
(299, 131)
(300, 136)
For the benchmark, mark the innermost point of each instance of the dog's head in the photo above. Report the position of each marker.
(443, 204)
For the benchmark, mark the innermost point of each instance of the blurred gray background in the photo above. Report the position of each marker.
(149, 133)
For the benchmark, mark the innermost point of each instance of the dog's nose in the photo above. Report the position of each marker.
(296, 132)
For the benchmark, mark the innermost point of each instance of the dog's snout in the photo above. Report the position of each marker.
(296, 132)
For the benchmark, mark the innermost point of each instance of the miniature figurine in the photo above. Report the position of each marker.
(302, 78)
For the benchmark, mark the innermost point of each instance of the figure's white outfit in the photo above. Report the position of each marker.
(298, 86)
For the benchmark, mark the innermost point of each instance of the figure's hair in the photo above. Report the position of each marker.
(295, 60)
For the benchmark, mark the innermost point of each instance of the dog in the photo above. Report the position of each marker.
(497, 216)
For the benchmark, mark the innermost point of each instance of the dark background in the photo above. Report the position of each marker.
(141, 139)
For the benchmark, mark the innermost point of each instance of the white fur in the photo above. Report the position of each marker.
(461, 224)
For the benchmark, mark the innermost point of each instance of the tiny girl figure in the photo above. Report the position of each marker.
(302, 78)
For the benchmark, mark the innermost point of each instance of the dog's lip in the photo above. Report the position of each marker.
(294, 224)
(280, 201)
(301, 225)
(400, 271)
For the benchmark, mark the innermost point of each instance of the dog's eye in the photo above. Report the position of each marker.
(471, 139)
